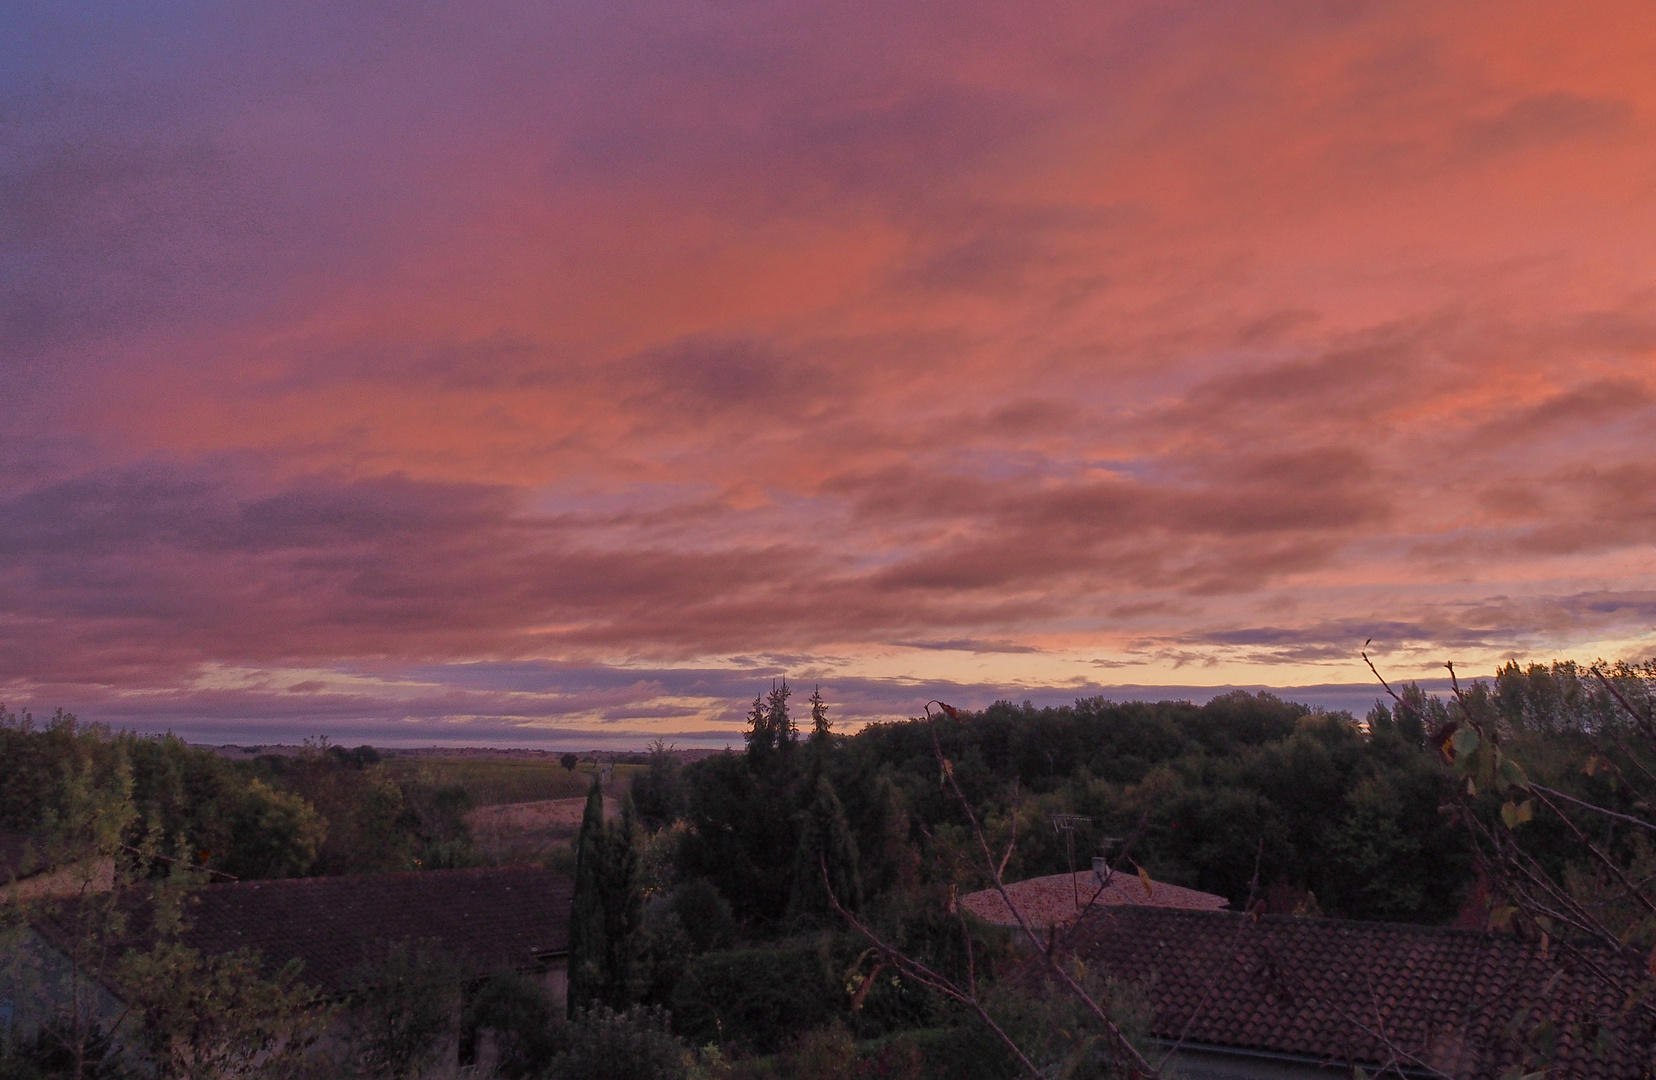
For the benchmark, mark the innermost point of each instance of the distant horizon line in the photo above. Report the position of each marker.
(401, 734)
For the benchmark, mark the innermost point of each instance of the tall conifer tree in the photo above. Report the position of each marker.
(587, 945)
(623, 912)
(606, 911)
(825, 840)
(760, 738)
(820, 724)
(783, 730)
(819, 742)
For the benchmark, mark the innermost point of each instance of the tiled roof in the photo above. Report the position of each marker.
(1464, 1003)
(491, 919)
(1058, 898)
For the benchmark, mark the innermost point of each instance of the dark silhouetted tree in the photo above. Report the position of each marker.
(824, 840)
(606, 910)
(586, 916)
(821, 726)
(657, 794)
(761, 740)
(783, 730)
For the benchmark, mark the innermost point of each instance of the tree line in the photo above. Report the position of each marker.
(712, 910)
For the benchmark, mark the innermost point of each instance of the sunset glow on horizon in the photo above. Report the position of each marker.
(562, 373)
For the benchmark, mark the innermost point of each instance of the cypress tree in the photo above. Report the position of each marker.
(587, 945)
(606, 911)
(623, 912)
(824, 839)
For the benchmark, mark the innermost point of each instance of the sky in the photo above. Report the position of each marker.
(562, 373)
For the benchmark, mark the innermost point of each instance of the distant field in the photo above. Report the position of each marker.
(493, 781)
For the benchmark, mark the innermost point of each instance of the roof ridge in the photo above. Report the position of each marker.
(1370, 925)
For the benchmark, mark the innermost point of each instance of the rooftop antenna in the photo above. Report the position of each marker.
(1066, 824)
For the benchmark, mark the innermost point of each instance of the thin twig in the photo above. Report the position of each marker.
(1640, 822)
(921, 973)
(1364, 654)
(1640, 718)
(1603, 858)
(1117, 1037)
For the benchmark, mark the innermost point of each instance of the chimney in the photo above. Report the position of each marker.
(1101, 861)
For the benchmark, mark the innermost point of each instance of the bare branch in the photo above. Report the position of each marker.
(1605, 811)
(921, 973)
(1117, 1038)
(1364, 654)
(1602, 858)
(1638, 717)
(1012, 845)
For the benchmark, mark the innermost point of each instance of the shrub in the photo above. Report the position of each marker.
(956, 1053)
(1058, 1033)
(405, 1005)
(704, 914)
(519, 1014)
(633, 1045)
(756, 998)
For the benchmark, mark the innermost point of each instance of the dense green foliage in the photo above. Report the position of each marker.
(657, 794)
(632, 1045)
(326, 810)
(402, 1008)
(758, 998)
(825, 862)
(516, 1012)
(1348, 815)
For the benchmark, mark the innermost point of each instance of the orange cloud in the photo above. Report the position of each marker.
(1144, 335)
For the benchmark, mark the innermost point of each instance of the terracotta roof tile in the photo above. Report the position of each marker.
(1462, 1002)
(1058, 898)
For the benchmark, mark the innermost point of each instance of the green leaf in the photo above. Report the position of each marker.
(1512, 773)
(1515, 814)
(1466, 742)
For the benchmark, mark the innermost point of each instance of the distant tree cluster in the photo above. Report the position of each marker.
(324, 810)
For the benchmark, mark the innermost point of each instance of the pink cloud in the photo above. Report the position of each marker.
(662, 333)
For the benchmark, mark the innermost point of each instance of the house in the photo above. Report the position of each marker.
(490, 920)
(1276, 997)
(1059, 899)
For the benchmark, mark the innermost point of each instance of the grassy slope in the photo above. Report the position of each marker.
(492, 781)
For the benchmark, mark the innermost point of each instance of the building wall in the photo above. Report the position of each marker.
(37, 982)
(556, 981)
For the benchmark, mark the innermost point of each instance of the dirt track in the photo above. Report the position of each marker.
(526, 832)
(562, 816)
